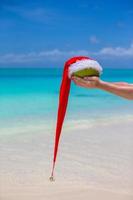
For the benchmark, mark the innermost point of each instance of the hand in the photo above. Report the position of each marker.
(86, 82)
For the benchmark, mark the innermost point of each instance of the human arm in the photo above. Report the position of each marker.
(121, 89)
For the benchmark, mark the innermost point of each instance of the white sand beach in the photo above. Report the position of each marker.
(95, 161)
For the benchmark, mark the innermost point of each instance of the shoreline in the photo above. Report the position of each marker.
(23, 125)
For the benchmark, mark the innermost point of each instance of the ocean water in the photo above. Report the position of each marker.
(32, 94)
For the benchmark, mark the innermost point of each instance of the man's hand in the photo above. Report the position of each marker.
(86, 82)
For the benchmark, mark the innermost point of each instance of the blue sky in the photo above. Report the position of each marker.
(44, 33)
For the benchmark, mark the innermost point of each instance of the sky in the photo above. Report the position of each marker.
(45, 33)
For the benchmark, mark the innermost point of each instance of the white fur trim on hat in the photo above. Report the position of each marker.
(83, 64)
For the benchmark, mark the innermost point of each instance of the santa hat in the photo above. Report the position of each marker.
(72, 65)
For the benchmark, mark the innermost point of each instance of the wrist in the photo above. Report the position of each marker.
(100, 84)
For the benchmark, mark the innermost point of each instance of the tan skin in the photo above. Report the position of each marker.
(121, 89)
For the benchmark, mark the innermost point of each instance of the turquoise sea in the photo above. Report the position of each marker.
(32, 94)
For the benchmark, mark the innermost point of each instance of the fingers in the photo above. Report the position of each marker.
(79, 81)
(92, 78)
(85, 79)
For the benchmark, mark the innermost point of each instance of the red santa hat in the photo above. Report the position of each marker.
(72, 65)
